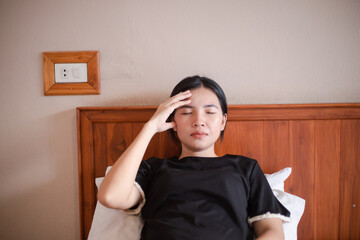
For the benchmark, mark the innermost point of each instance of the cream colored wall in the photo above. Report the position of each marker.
(259, 51)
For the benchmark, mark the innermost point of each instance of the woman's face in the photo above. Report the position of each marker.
(199, 124)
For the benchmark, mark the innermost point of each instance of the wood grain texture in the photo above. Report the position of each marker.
(86, 175)
(321, 143)
(350, 180)
(327, 175)
(242, 138)
(92, 86)
(119, 138)
(276, 146)
(302, 179)
(249, 139)
(100, 148)
(153, 148)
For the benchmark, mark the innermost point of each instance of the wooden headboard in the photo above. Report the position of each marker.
(321, 142)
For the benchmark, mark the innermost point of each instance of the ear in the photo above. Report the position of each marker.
(223, 123)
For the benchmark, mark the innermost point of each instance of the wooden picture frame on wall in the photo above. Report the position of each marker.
(91, 86)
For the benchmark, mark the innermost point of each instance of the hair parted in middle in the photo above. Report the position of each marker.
(194, 82)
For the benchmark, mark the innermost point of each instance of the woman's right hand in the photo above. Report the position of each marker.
(158, 120)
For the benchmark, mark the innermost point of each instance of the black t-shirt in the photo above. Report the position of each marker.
(204, 198)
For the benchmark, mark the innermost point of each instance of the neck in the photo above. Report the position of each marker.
(205, 153)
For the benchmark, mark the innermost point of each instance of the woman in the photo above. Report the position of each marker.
(197, 195)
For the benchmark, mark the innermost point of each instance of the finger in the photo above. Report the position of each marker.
(171, 124)
(172, 103)
(168, 126)
(180, 104)
(180, 96)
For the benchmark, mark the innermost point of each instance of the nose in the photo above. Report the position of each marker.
(198, 120)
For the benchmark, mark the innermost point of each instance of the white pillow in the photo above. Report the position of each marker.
(276, 180)
(296, 206)
(112, 224)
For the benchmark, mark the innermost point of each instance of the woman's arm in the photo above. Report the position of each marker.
(269, 228)
(117, 189)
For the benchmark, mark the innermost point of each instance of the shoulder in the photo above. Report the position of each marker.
(244, 164)
(156, 159)
(156, 162)
(243, 160)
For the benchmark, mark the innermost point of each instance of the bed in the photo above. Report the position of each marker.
(319, 142)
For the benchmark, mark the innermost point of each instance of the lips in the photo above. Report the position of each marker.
(198, 134)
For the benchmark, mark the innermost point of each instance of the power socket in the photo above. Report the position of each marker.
(70, 72)
(64, 73)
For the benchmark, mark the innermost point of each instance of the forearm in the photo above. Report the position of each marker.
(116, 188)
(271, 235)
(268, 229)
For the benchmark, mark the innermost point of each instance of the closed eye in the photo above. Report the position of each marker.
(211, 109)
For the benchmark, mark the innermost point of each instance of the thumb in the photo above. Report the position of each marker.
(169, 125)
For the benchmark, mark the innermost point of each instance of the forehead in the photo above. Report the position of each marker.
(203, 95)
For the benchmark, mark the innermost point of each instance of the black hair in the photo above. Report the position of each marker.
(197, 82)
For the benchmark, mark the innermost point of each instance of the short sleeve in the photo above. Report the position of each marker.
(143, 174)
(262, 203)
(141, 183)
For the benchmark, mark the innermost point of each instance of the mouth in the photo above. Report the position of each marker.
(198, 134)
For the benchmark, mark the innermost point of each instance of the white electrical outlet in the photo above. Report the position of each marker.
(70, 72)
(64, 73)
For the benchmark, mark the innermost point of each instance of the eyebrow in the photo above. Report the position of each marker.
(206, 106)
(211, 105)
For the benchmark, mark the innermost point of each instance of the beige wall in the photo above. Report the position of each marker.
(259, 51)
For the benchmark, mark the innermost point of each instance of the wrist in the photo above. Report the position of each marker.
(150, 128)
